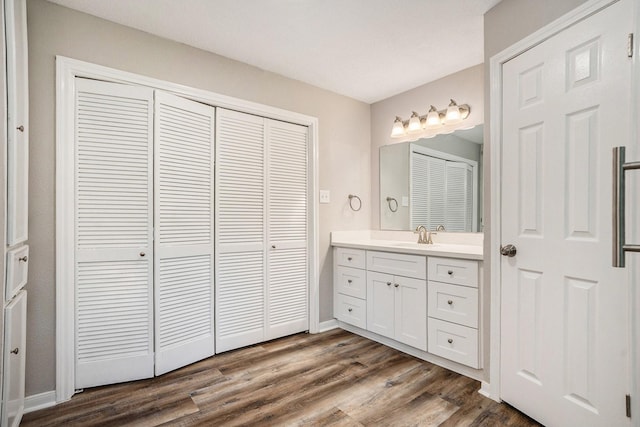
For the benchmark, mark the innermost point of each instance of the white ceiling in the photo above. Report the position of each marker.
(366, 49)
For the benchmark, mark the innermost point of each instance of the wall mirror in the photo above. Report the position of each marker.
(435, 182)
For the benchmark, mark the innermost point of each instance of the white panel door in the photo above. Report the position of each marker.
(184, 288)
(113, 233)
(14, 360)
(17, 121)
(565, 321)
(381, 304)
(411, 312)
(287, 224)
(240, 230)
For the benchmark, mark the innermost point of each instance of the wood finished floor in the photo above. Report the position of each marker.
(330, 379)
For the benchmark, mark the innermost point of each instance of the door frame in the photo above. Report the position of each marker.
(492, 388)
(67, 69)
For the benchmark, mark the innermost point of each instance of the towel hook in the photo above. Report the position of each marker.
(351, 197)
(391, 208)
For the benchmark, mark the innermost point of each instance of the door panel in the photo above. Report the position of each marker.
(113, 233)
(565, 321)
(381, 304)
(14, 360)
(411, 312)
(184, 288)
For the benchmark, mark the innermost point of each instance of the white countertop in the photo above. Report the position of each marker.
(451, 245)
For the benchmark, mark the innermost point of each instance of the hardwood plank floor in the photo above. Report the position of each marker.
(331, 379)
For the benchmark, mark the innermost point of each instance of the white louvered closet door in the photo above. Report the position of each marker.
(287, 225)
(113, 233)
(184, 287)
(240, 230)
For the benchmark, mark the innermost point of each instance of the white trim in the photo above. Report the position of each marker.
(327, 325)
(36, 402)
(495, 76)
(67, 70)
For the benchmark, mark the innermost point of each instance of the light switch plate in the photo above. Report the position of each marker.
(325, 196)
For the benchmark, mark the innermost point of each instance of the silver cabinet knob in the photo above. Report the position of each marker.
(450, 272)
(142, 254)
(15, 350)
(350, 309)
(349, 281)
(450, 341)
(273, 246)
(450, 302)
(23, 259)
(388, 283)
(508, 250)
(396, 285)
(20, 128)
(349, 259)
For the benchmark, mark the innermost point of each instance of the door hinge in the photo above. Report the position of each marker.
(630, 45)
(628, 405)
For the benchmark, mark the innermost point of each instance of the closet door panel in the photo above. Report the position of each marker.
(17, 121)
(240, 230)
(184, 328)
(113, 233)
(287, 264)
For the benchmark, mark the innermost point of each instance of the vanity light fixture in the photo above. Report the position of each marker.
(434, 118)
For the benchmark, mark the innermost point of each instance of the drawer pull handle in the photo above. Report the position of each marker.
(396, 285)
(23, 259)
(349, 259)
(142, 254)
(350, 309)
(388, 283)
(450, 272)
(450, 302)
(450, 340)
(15, 350)
(349, 281)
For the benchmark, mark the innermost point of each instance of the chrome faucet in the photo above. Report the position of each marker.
(423, 234)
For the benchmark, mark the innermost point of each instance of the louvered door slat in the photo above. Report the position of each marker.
(184, 232)
(287, 265)
(240, 229)
(113, 211)
(456, 201)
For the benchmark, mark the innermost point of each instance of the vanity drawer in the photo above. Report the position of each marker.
(351, 281)
(17, 269)
(397, 264)
(351, 310)
(350, 257)
(453, 303)
(453, 342)
(455, 271)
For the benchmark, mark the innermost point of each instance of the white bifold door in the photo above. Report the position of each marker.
(142, 306)
(261, 229)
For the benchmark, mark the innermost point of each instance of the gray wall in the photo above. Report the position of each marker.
(344, 145)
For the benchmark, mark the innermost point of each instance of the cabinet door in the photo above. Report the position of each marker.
(411, 312)
(240, 230)
(14, 360)
(17, 121)
(113, 206)
(287, 230)
(184, 232)
(380, 303)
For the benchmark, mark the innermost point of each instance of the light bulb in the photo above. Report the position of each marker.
(398, 128)
(433, 118)
(414, 123)
(453, 113)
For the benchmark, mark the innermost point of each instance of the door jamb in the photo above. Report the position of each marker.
(492, 389)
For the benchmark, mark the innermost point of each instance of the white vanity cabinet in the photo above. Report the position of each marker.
(350, 290)
(453, 310)
(397, 305)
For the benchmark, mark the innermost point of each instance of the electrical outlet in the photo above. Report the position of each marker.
(325, 196)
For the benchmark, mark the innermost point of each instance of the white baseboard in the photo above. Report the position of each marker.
(39, 401)
(327, 325)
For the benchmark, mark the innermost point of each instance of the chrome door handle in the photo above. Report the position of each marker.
(508, 250)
